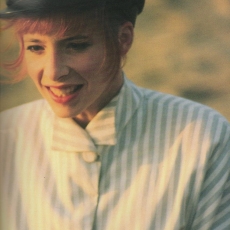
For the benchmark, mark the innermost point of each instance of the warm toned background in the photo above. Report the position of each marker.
(181, 47)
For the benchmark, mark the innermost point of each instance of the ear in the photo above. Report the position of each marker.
(125, 37)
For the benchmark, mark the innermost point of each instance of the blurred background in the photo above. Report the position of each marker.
(181, 47)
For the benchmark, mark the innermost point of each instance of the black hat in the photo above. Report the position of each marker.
(20, 8)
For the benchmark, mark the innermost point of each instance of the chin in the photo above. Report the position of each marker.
(63, 112)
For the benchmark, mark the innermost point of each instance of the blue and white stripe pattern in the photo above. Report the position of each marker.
(162, 163)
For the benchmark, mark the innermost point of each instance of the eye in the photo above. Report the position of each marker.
(35, 49)
(78, 46)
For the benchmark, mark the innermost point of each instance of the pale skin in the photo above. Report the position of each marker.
(67, 71)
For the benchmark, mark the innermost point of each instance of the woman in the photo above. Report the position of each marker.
(104, 153)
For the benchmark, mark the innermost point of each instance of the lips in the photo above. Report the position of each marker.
(64, 94)
(64, 91)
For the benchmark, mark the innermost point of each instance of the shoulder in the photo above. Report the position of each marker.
(169, 105)
(168, 108)
(23, 115)
(172, 114)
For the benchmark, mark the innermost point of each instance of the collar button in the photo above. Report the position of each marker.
(90, 157)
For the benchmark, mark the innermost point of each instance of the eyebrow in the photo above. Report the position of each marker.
(78, 37)
(32, 40)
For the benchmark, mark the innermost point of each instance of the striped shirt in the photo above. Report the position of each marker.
(147, 161)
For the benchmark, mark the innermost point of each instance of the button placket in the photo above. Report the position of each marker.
(85, 193)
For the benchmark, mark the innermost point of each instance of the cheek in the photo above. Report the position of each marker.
(33, 67)
(89, 64)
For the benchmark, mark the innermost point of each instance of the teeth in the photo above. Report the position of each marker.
(64, 91)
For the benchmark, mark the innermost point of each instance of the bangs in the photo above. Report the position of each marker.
(61, 24)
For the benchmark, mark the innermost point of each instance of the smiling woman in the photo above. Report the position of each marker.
(63, 72)
(98, 152)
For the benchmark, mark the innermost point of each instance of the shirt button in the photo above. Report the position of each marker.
(90, 156)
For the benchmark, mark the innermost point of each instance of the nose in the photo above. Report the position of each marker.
(55, 66)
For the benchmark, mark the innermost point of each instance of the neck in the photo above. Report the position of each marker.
(83, 119)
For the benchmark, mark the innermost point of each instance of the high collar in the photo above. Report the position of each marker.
(103, 128)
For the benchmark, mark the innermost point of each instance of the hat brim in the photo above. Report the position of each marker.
(22, 11)
(10, 13)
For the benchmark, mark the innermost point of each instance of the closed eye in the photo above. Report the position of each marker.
(78, 46)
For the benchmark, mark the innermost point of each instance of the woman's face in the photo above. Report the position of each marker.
(70, 72)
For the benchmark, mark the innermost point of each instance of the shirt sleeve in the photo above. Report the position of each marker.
(213, 208)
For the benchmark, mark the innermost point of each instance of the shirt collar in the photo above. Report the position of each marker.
(69, 136)
(102, 127)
